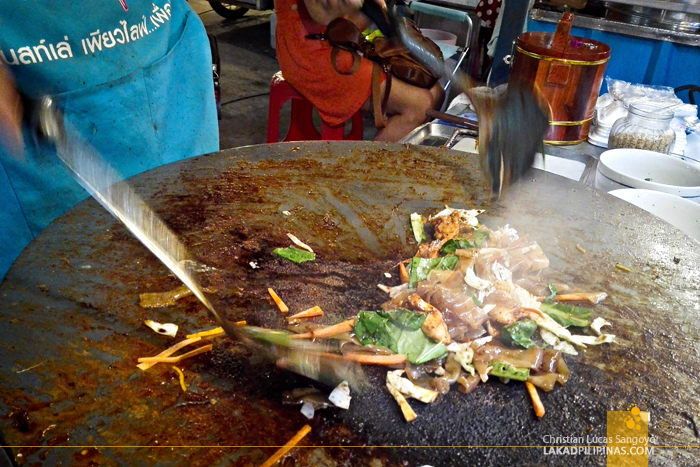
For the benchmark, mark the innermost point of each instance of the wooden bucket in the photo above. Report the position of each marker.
(568, 71)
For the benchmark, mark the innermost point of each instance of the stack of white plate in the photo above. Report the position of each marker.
(679, 146)
(679, 126)
(599, 135)
(692, 149)
(607, 111)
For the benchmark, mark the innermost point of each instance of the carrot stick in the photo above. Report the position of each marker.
(403, 273)
(593, 297)
(375, 359)
(536, 401)
(345, 326)
(311, 312)
(303, 335)
(328, 331)
(213, 332)
(369, 359)
(278, 301)
(287, 447)
(169, 351)
(177, 359)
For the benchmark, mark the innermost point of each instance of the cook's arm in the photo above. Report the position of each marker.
(10, 112)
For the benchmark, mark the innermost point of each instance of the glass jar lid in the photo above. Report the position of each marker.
(652, 110)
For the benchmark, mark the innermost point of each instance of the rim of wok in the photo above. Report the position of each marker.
(74, 288)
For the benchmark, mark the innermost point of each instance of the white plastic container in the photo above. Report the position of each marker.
(692, 150)
(437, 35)
(638, 168)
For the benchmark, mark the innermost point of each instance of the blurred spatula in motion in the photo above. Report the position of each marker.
(119, 198)
(510, 126)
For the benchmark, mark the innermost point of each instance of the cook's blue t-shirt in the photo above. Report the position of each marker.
(133, 76)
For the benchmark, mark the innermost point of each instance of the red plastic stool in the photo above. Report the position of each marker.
(301, 125)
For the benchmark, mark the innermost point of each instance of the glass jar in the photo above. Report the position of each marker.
(644, 127)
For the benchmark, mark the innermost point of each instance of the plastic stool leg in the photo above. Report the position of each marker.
(332, 133)
(301, 124)
(273, 116)
(337, 133)
(301, 127)
(357, 131)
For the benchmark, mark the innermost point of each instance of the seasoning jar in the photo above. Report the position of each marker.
(644, 127)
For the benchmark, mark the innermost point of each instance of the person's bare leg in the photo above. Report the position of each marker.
(438, 95)
(406, 108)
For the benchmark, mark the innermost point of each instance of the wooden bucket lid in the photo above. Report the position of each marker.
(562, 45)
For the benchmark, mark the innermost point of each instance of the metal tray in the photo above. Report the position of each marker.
(436, 134)
(431, 134)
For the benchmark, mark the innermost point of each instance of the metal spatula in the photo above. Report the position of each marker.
(106, 185)
(510, 127)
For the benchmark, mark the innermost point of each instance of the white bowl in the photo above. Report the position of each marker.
(637, 168)
(679, 212)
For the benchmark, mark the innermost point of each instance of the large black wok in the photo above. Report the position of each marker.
(72, 328)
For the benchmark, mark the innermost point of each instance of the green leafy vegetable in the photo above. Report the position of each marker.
(567, 315)
(409, 319)
(400, 331)
(371, 327)
(417, 227)
(552, 292)
(420, 349)
(419, 268)
(452, 245)
(519, 333)
(480, 237)
(507, 372)
(455, 244)
(295, 254)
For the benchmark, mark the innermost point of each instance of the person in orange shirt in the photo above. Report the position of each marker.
(306, 65)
